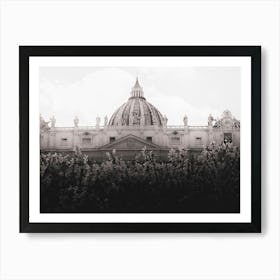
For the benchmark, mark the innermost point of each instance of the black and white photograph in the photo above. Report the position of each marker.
(140, 139)
(146, 138)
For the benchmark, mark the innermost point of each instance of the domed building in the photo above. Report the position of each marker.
(137, 111)
(135, 125)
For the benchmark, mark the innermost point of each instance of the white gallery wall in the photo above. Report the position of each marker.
(139, 256)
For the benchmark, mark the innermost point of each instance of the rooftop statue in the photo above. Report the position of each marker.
(185, 120)
(76, 121)
(43, 124)
(165, 120)
(98, 120)
(53, 121)
(210, 120)
(105, 120)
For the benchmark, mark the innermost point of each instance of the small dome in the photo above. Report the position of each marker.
(136, 111)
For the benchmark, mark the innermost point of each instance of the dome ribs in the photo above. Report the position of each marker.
(160, 117)
(125, 114)
(148, 115)
(114, 119)
(142, 113)
(132, 101)
(152, 113)
(137, 111)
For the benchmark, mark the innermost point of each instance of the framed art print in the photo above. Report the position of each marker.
(140, 138)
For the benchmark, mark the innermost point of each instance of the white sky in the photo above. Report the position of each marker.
(86, 92)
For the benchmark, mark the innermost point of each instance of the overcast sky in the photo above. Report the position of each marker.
(88, 92)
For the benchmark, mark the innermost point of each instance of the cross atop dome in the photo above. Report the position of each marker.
(137, 90)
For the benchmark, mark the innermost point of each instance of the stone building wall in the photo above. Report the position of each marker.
(97, 141)
(134, 125)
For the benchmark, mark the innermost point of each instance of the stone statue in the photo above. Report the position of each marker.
(218, 123)
(185, 120)
(236, 123)
(165, 120)
(76, 121)
(98, 121)
(53, 121)
(227, 114)
(210, 120)
(43, 123)
(105, 120)
(41, 119)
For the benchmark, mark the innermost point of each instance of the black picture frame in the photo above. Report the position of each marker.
(25, 52)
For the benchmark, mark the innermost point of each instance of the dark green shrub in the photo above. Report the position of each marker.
(207, 182)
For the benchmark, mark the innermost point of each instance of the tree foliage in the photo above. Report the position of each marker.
(206, 182)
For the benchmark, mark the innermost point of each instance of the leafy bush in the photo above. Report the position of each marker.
(206, 182)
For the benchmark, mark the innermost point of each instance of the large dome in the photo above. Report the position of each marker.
(137, 111)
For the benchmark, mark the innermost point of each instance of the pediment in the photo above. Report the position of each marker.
(130, 142)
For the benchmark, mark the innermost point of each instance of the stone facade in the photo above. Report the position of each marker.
(134, 125)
